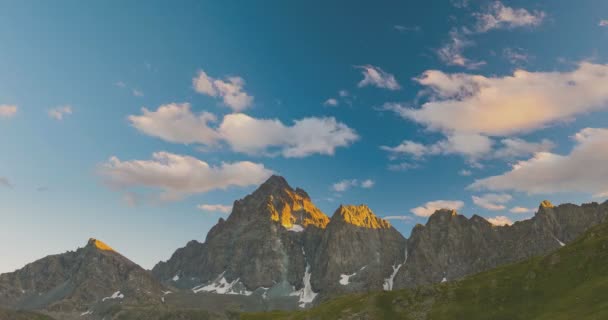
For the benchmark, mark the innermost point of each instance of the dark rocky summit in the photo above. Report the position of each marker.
(78, 280)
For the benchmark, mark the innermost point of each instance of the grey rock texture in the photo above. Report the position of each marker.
(451, 246)
(264, 242)
(77, 280)
(357, 252)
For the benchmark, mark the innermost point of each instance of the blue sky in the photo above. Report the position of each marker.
(427, 107)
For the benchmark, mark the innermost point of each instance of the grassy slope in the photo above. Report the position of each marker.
(22, 315)
(571, 283)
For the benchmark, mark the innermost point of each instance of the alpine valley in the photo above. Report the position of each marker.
(278, 256)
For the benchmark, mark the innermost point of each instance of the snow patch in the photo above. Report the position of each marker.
(388, 282)
(86, 313)
(444, 280)
(221, 286)
(115, 295)
(561, 244)
(175, 277)
(306, 294)
(296, 228)
(345, 278)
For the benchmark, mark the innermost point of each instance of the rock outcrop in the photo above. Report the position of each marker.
(451, 246)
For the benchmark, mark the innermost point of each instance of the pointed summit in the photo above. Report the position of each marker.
(546, 204)
(360, 216)
(94, 243)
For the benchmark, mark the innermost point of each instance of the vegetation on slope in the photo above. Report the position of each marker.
(22, 315)
(571, 283)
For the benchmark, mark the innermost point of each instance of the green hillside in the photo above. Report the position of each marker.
(571, 283)
(21, 315)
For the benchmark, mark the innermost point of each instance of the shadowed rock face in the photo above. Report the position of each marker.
(450, 246)
(264, 242)
(75, 280)
(357, 252)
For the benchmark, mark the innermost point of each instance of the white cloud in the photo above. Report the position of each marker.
(603, 23)
(500, 221)
(230, 90)
(176, 123)
(137, 93)
(430, 207)
(305, 137)
(499, 16)
(331, 102)
(343, 93)
(507, 105)
(178, 176)
(403, 166)
(401, 28)
(4, 182)
(520, 210)
(374, 76)
(346, 184)
(215, 208)
(60, 112)
(473, 146)
(120, 84)
(583, 170)
(465, 172)
(8, 110)
(492, 201)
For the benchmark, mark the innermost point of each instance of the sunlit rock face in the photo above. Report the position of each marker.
(357, 252)
(267, 241)
(78, 281)
(451, 246)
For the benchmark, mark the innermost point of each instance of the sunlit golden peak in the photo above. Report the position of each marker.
(100, 245)
(361, 216)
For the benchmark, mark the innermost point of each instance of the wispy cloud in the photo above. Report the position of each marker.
(499, 16)
(404, 29)
(500, 221)
(492, 201)
(4, 182)
(8, 110)
(375, 76)
(60, 112)
(346, 184)
(137, 93)
(520, 210)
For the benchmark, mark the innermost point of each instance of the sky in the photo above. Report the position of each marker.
(140, 124)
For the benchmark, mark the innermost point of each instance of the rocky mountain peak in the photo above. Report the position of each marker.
(94, 243)
(360, 216)
(546, 204)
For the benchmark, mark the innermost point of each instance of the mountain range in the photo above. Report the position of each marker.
(277, 250)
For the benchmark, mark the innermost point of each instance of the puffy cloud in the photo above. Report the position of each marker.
(374, 76)
(346, 184)
(492, 201)
(582, 170)
(331, 102)
(178, 176)
(501, 106)
(516, 56)
(177, 123)
(215, 208)
(520, 210)
(499, 16)
(60, 112)
(305, 137)
(8, 110)
(229, 90)
(430, 207)
(500, 221)
(4, 182)
(472, 146)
